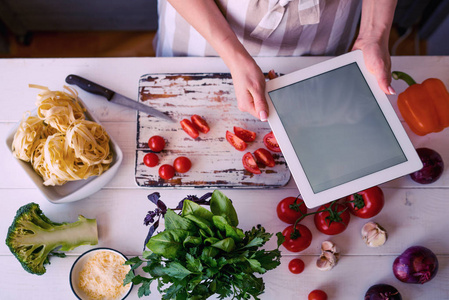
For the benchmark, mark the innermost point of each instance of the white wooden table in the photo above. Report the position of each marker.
(414, 214)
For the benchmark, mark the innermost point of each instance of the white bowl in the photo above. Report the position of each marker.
(73, 190)
(77, 267)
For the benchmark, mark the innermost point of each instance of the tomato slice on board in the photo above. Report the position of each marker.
(200, 124)
(235, 141)
(264, 156)
(250, 163)
(188, 127)
(245, 134)
(271, 143)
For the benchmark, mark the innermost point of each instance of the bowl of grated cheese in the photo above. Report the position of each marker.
(99, 274)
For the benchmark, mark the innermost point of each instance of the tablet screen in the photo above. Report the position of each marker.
(336, 127)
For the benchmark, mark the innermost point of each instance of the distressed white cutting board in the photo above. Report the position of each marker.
(215, 163)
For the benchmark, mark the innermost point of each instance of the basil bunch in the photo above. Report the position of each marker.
(201, 252)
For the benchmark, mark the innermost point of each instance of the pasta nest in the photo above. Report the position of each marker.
(59, 143)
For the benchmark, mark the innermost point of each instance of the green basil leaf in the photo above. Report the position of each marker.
(226, 245)
(222, 224)
(192, 208)
(192, 241)
(211, 240)
(176, 270)
(168, 243)
(175, 221)
(210, 251)
(201, 223)
(221, 205)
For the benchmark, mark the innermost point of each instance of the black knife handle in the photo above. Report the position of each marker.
(89, 86)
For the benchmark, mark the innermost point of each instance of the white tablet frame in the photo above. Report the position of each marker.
(312, 199)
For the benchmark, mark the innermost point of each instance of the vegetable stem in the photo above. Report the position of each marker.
(401, 75)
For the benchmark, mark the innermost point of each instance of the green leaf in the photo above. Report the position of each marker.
(226, 245)
(210, 251)
(255, 242)
(281, 238)
(192, 241)
(256, 266)
(175, 221)
(222, 224)
(192, 208)
(221, 205)
(168, 243)
(176, 270)
(193, 264)
(269, 260)
(133, 260)
(201, 223)
(144, 289)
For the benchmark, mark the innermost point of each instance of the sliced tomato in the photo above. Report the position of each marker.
(200, 124)
(245, 134)
(264, 156)
(271, 143)
(235, 141)
(250, 163)
(188, 127)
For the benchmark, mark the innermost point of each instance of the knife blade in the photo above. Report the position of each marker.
(114, 97)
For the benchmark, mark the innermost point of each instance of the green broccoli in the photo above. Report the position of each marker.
(32, 237)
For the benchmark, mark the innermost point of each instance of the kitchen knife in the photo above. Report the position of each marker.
(114, 97)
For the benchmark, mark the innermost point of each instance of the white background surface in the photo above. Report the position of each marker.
(413, 214)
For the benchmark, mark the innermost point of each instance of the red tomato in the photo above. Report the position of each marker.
(182, 164)
(235, 141)
(188, 127)
(317, 295)
(332, 219)
(290, 209)
(200, 124)
(166, 171)
(296, 266)
(271, 143)
(156, 143)
(245, 134)
(250, 163)
(366, 204)
(299, 240)
(264, 156)
(150, 160)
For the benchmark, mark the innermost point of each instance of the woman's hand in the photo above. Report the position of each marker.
(249, 87)
(377, 60)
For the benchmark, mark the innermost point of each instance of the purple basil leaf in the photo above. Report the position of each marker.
(150, 233)
(154, 197)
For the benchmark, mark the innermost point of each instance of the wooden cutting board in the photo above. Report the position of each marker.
(215, 163)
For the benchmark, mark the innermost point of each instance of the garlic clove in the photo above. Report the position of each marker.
(373, 234)
(329, 256)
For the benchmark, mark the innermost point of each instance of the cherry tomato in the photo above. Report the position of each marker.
(150, 160)
(188, 127)
(296, 266)
(200, 124)
(250, 163)
(317, 295)
(366, 204)
(235, 141)
(264, 156)
(166, 171)
(245, 134)
(332, 219)
(290, 209)
(156, 143)
(299, 240)
(271, 143)
(182, 164)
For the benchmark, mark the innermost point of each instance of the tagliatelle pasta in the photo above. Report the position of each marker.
(59, 143)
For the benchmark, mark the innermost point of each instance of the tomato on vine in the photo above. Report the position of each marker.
(332, 218)
(366, 204)
(290, 209)
(297, 238)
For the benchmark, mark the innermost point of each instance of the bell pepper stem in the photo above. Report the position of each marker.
(401, 75)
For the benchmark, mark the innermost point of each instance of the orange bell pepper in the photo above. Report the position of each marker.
(425, 106)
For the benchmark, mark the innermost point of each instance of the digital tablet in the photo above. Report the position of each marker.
(337, 130)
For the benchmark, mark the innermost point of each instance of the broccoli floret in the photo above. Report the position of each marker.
(32, 237)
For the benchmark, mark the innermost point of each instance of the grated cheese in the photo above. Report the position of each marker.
(102, 276)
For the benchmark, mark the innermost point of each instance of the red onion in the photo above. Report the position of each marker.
(382, 292)
(432, 166)
(416, 265)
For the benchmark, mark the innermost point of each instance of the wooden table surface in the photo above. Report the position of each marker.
(413, 214)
